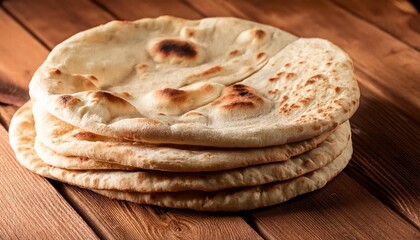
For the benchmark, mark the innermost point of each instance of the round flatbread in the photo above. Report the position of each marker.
(220, 82)
(242, 198)
(22, 134)
(68, 140)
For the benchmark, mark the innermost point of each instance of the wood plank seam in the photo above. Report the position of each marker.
(356, 172)
(105, 9)
(251, 221)
(28, 30)
(374, 85)
(373, 24)
(192, 7)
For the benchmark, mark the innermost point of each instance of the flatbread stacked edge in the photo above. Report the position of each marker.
(176, 119)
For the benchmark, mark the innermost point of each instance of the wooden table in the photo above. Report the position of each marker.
(376, 197)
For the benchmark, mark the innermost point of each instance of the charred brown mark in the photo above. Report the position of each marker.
(67, 100)
(107, 96)
(212, 70)
(54, 71)
(175, 95)
(206, 73)
(234, 52)
(177, 48)
(337, 89)
(259, 34)
(284, 99)
(238, 96)
(260, 55)
(290, 76)
(85, 136)
(313, 79)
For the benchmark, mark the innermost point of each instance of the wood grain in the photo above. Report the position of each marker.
(119, 219)
(400, 23)
(386, 151)
(54, 21)
(6, 114)
(113, 219)
(341, 210)
(31, 207)
(21, 55)
(375, 52)
(133, 9)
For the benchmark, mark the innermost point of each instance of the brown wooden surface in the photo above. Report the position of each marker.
(385, 129)
(398, 18)
(30, 206)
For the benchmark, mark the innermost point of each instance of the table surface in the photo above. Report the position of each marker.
(376, 197)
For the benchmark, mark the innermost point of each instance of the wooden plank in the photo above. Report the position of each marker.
(30, 207)
(66, 18)
(375, 52)
(377, 164)
(341, 210)
(133, 9)
(6, 113)
(401, 23)
(27, 53)
(386, 155)
(112, 218)
(119, 219)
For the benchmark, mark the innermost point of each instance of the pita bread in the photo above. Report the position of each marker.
(74, 163)
(221, 82)
(68, 140)
(23, 134)
(242, 198)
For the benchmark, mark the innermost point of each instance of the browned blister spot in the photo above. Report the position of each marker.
(92, 78)
(305, 100)
(259, 34)
(206, 73)
(233, 52)
(284, 99)
(177, 48)
(290, 76)
(101, 95)
(172, 94)
(189, 32)
(126, 94)
(301, 62)
(85, 136)
(287, 65)
(239, 96)
(337, 89)
(313, 79)
(67, 100)
(142, 66)
(273, 91)
(261, 54)
(328, 64)
(54, 71)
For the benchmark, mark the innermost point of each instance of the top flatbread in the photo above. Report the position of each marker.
(221, 82)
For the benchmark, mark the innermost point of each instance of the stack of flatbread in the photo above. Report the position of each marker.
(219, 114)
